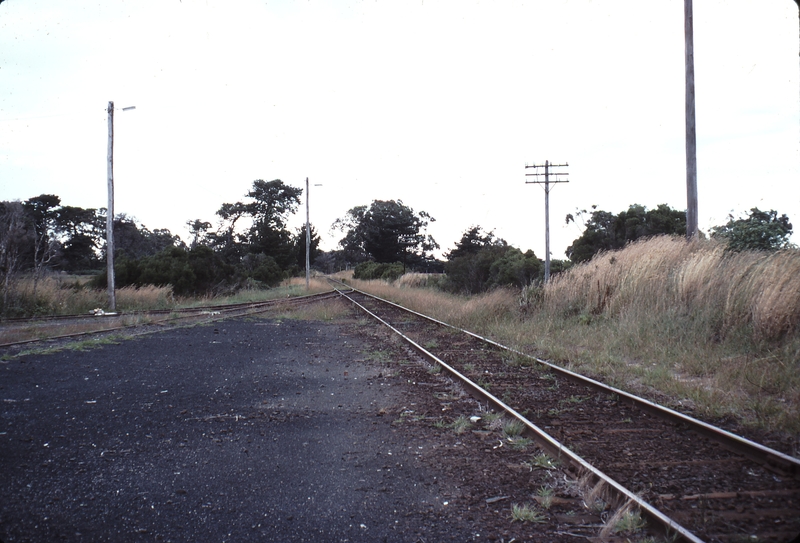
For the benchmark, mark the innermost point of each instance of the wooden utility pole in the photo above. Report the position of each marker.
(691, 131)
(112, 299)
(546, 183)
(308, 241)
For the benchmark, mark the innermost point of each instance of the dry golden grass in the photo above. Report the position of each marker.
(742, 293)
(478, 313)
(145, 297)
(56, 294)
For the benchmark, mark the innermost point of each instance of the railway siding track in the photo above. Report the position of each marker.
(695, 481)
(19, 332)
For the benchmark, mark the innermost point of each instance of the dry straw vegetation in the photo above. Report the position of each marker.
(689, 324)
(61, 294)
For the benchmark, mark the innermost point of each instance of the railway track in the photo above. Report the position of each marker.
(18, 332)
(689, 480)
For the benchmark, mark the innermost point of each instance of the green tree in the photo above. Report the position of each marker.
(491, 266)
(373, 270)
(198, 229)
(386, 232)
(135, 241)
(352, 246)
(299, 241)
(468, 266)
(81, 232)
(473, 241)
(226, 241)
(42, 214)
(605, 231)
(13, 231)
(271, 203)
(757, 231)
(262, 268)
(515, 269)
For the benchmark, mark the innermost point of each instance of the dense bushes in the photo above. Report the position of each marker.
(193, 271)
(491, 267)
(375, 270)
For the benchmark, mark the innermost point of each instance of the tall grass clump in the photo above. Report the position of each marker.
(61, 294)
(56, 294)
(756, 292)
(146, 297)
(715, 329)
(638, 278)
(753, 294)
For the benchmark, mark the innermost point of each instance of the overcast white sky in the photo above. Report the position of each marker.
(437, 103)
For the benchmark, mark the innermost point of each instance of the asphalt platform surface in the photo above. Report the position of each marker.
(242, 430)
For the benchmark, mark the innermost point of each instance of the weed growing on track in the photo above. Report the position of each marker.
(520, 443)
(493, 420)
(543, 461)
(626, 522)
(545, 497)
(513, 428)
(461, 425)
(526, 513)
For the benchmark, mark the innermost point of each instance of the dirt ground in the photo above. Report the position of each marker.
(261, 430)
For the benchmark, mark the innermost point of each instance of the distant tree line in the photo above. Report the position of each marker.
(603, 231)
(252, 245)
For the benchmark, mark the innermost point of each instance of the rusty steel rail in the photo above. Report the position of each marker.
(755, 451)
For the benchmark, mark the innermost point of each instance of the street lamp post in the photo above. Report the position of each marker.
(112, 298)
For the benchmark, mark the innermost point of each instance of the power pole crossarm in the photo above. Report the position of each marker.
(557, 177)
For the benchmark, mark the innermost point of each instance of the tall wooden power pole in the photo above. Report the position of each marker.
(691, 131)
(112, 299)
(557, 179)
(308, 241)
